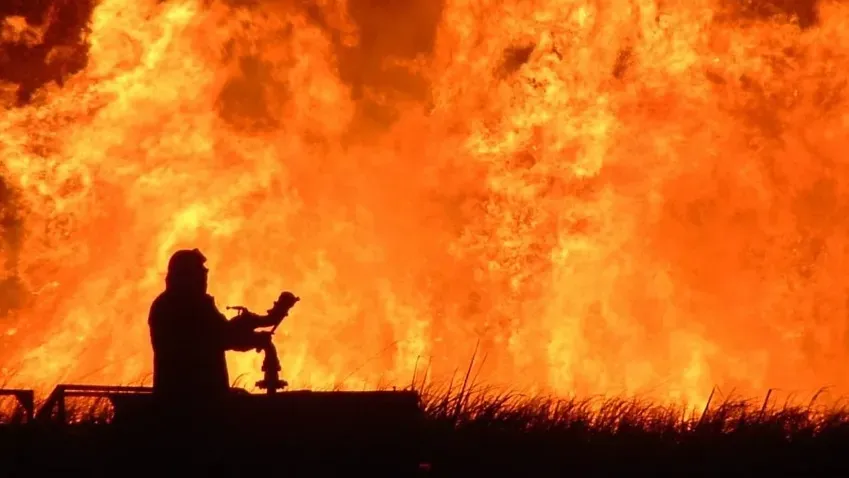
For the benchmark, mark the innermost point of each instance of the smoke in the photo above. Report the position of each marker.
(44, 41)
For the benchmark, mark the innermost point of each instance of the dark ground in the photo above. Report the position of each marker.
(484, 437)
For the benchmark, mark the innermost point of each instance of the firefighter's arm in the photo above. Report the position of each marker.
(242, 340)
(238, 333)
(273, 317)
(249, 321)
(242, 336)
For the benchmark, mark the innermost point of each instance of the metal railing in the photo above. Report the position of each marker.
(54, 408)
(56, 400)
(25, 398)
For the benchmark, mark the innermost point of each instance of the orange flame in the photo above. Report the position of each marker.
(615, 196)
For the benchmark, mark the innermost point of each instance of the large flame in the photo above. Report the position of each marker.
(609, 196)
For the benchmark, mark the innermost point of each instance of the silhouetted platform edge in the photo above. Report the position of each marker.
(132, 404)
(301, 424)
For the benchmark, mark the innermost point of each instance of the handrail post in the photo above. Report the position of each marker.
(56, 398)
(60, 413)
(27, 401)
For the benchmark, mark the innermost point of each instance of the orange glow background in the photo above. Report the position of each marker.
(612, 196)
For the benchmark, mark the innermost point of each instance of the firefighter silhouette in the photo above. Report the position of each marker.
(190, 335)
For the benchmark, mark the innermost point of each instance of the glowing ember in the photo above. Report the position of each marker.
(615, 196)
